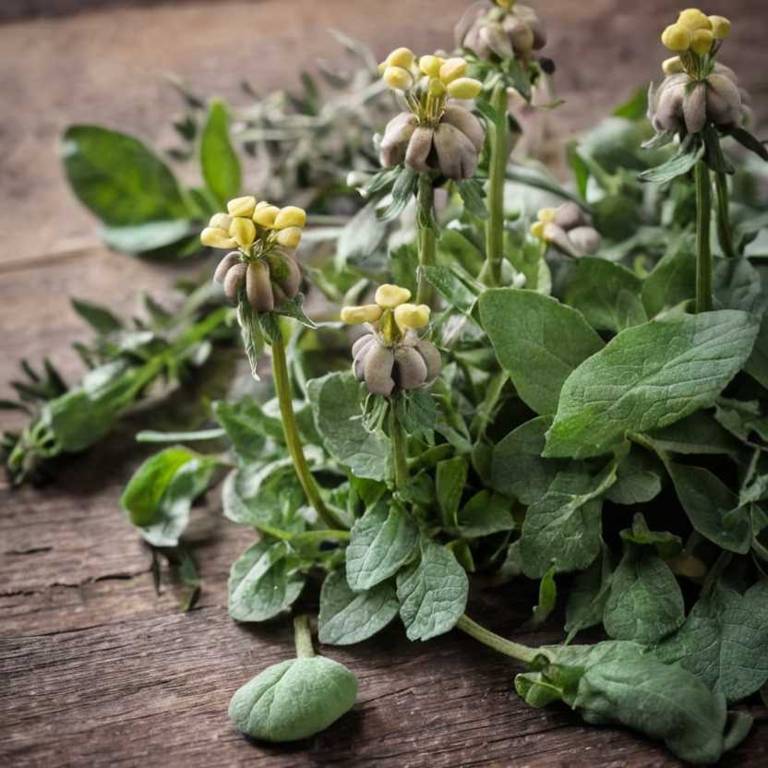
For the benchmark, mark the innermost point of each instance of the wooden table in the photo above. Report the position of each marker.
(95, 668)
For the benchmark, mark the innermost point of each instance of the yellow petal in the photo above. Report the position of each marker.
(368, 313)
(430, 65)
(676, 37)
(672, 66)
(702, 41)
(545, 215)
(242, 206)
(214, 237)
(266, 215)
(452, 69)
(400, 57)
(243, 230)
(220, 221)
(389, 296)
(398, 78)
(693, 19)
(537, 229)
(721, 27)
(290, 216)
(464, 88)
(412, 316)
(290, 237)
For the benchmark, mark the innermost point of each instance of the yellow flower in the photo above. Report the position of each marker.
(220, 221)
(702, 41)
(721, 27)
(290, 237)
(672, 66)
(389, 296)
(453, 69)
(676, 37)
(464, 88)
(400, 57)
(265, 215)
(290, 216)
(546, 215)
(537, 229)
(412, 316)
(693, 19)
(242, 206)
(398, 78)
(436, 87)
(243, 231)
(368, 313)
(214, 237)
(430, 65)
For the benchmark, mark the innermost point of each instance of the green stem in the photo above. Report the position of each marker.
(425, 219)
(494, 226)
(302, 637)
(292, 438)
(703, 248)
(498, 643)
(399, 457)
(724, 232)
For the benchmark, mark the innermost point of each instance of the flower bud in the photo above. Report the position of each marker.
(213, 237)
(464, 88)
(242, 206)
(724, 103)
(568, 216)
(430, 65)
(233, 280)
(285, 272)
(265, 216)
(412, 316)
(431, 357)
(368, 313)
(456, 155)
(397, 78)
(702, 41)
(695, 108)
(290, 237)
(377, 369)
(558, 237)
(537, 229)
(520, 35)
(390, 296)
(258, 287)
(693, 19)
(220, 221)
(584, 240)
(667, 104)
(676, 37)
(418, 149)
(359, 350)
(467, 123)
(396, 136)
(243, 230)
(225, 265)
(493, 37)
(400, 57)
(410, 368)
(436, 87)
(290, 216)
(546, 215)
(721, 27)
(672, 66)
(453, 69)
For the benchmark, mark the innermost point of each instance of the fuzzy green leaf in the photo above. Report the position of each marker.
(218, 159)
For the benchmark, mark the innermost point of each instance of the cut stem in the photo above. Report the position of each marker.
(425, 220)
(292, 438)
(703, 246)
(724, 231)
(302, 637)
(498, 643)
(494, 226)
(399, 456)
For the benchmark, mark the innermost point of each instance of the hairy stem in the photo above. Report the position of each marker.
(399, 457)
(494, 226)
(302, 637)
(703, 247)
(425, 219)
(724, 232)
(498, 643)
(292, 438)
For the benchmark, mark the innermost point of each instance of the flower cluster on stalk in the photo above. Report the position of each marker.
(264, 264)
(436, 132)
(568, 229)
(391, 356)
(697, 89)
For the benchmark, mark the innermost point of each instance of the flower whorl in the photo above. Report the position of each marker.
(568, 229)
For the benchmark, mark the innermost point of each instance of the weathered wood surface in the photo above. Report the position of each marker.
(95, 668)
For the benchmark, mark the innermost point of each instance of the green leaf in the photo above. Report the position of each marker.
(607, 294)
(688, 154)
(672, 280)
(151, 236)
(382, 541)
(537, 340)
(547, 598)
(294, 699)
(335, 401)
(712, 508)
(484, 514)
(432, 593)
(645, 602)
(218, 159)
(116, 177)
(588, 595)
(757, 365)
(563, 527)
(101, 319)
(454, 285)
(451, 478)
(638, 479)
(647, 377)
(746, 139)
(263, 582)
(698, 433)
(348, 617)
(244, 424)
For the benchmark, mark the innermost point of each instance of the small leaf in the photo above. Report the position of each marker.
(450, 480)
(99, 318)
(689, 153)
(218, 159)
